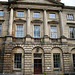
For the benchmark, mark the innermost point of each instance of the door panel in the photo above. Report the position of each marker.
(37, 66)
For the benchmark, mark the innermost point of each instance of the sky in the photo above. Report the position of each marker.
(69, 2)
(66, 2)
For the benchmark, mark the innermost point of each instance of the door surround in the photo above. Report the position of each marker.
(39, 52)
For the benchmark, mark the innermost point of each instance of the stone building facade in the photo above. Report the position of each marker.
(36, 36)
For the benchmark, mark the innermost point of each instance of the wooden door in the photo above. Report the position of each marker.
(37, 66)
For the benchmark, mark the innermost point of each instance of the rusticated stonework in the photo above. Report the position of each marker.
(36, 54)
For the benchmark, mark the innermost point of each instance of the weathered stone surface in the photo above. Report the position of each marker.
(29, 46)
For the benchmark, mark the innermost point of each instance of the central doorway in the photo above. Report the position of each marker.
(38, 60)
(37, 63)
(37, 66)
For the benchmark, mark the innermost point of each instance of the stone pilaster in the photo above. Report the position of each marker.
(28, 37)
(61, 22)
(45, 23)
(9, 37)
(28, 22)
(46, 38)
(63, 38)
(11, 22)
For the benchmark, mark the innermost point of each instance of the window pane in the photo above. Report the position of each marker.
(19, 30)
(70, 16)
(1, 13)
(20, 14)
(72, 32)
(17, 60)
(56, 59)
(51, 15)
(36, 31)
(36, 14)
(53, 32)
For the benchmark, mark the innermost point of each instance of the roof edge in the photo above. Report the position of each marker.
(69, 7)
(57, 2)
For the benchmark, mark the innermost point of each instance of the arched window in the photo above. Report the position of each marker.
(18, 60)
(56, 59)
(17, 54)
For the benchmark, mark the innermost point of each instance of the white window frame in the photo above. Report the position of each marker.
(33, 31)
(52, 32)
(70, 17)
(21, 14)
(36, 14)
(16, 30)
(73, 32)
(52, 17)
